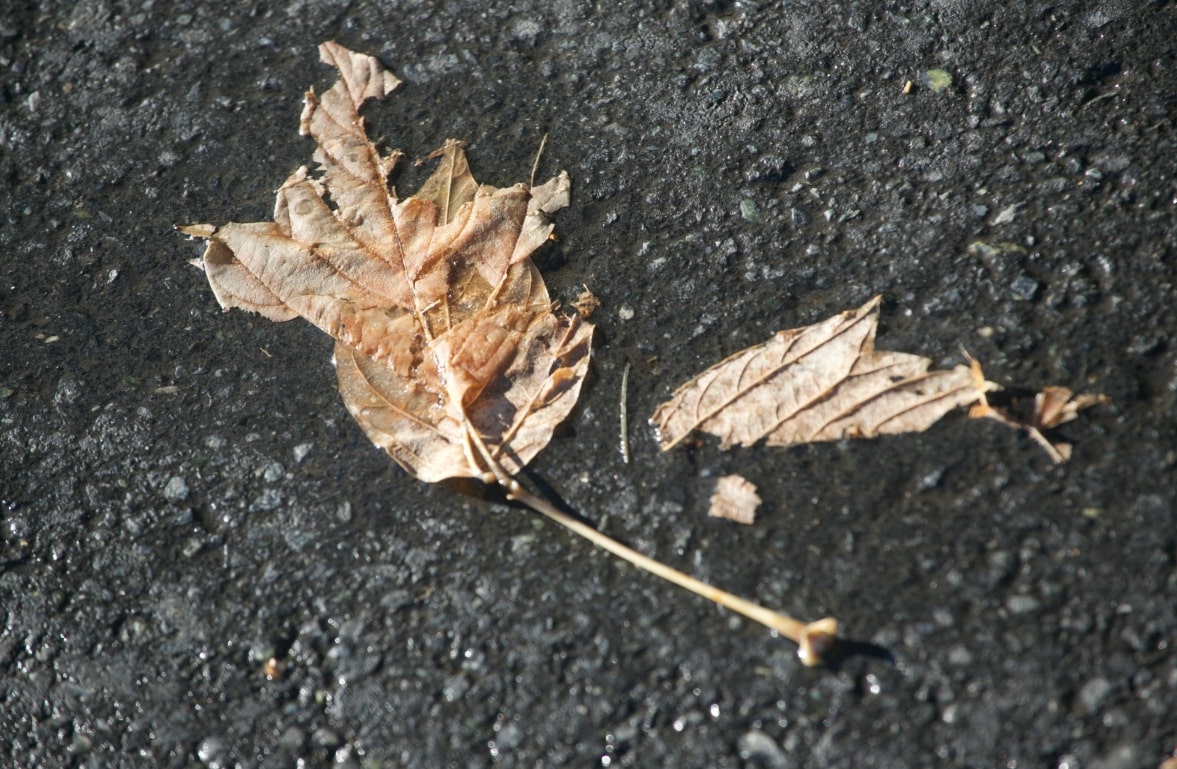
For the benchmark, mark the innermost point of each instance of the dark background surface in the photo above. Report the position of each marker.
(183, 497)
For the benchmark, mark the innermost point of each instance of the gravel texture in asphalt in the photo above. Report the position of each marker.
(204, 562)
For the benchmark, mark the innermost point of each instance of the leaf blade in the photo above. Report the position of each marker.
(448, 352)
(815, 383)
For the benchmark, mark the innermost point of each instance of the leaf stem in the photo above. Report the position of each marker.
(813, 639)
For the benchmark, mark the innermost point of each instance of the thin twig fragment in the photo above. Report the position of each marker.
(624, 409)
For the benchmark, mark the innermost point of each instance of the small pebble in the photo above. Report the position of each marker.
(210, 751)
(1022, 604)
(1094, 693)
(750, 211)
(1024, 288)
(510, 736)
(759, 749)
(176, 490)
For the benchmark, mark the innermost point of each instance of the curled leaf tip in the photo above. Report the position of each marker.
(1053, 406)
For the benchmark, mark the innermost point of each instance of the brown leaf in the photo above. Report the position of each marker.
(817, 383)
(735, 499)
(447, 350)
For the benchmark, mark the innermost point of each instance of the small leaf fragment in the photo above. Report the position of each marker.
(936, 79)
(586, 303)
(735, 499)
(1053, 405)
(1056, 405)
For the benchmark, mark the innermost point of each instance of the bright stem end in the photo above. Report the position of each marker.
(816, 639)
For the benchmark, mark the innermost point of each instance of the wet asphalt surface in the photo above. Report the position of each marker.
(203, 562)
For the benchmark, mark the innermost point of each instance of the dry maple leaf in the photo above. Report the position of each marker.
(448, 352)
(817, 383)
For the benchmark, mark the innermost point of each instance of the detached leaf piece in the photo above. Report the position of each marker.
(1056, 405)
(1053, 406)
(822, 382)
(735, 499)
(448, 352)
(586, 303)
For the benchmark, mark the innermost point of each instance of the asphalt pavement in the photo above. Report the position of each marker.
(204, 562)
